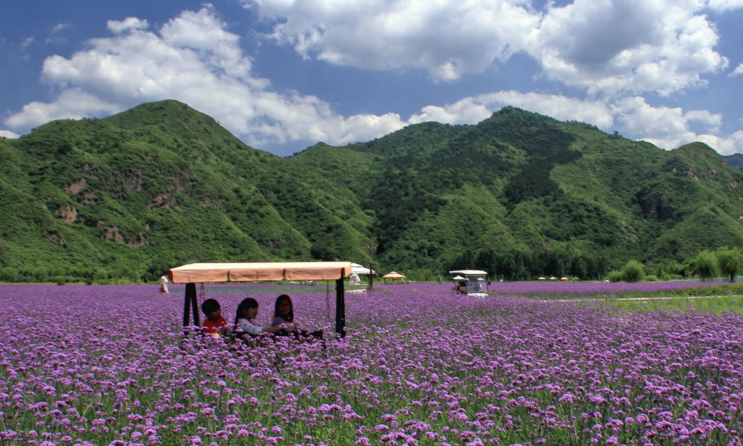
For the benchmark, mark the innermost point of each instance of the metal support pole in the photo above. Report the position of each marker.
(371, 276)
(189, 300)
(340, 308)
(195, 307)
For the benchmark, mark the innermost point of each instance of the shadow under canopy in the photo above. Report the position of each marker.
(255, 272)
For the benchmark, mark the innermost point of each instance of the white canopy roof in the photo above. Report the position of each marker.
(359, 269)
(469, 272)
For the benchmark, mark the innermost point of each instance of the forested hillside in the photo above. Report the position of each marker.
(519, 194)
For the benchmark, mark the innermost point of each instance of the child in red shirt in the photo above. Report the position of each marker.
(214, 325)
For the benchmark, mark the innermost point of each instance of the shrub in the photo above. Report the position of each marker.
(633, 271)
(614, 276)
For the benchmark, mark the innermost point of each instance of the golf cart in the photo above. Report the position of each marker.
(471, 282)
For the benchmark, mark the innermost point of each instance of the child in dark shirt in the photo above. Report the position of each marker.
(214, 325)
(284, 315)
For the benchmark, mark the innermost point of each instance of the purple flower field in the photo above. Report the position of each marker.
(106, 365)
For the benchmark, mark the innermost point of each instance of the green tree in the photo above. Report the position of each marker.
(705, 265)
(633, 271)
(581, 268)
(729, 261)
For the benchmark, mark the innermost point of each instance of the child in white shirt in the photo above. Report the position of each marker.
(247, 311)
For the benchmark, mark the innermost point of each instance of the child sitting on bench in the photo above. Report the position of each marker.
(245, 316)
(214, 325)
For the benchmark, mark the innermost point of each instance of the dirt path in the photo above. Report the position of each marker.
(637, 298)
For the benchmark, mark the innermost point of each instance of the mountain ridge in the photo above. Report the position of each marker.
(519, 194)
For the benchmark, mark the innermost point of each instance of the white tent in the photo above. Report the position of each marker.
(358, 269)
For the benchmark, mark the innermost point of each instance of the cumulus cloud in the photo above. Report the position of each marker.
(738, 70)
(73, 103)
(445, 37)
(8, 134)
(195, 59)
(130, 23)
(60, 26)
(725, 5)
(604, 46)
(632, 46)
(670, 127)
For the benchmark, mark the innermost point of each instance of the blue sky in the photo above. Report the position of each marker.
(285, 74)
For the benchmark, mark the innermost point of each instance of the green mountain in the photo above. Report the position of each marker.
(520, 194)
(735, 160)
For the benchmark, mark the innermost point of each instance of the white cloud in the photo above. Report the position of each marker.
(73, 103)
(725, 5)
(195, 59)
(128, 24)
(60, 26)
(631, 46)
(27, 42)
(192, 58)
(606, 47)
(8, 134)
(738, 70)
(445, 37)
(669, 127)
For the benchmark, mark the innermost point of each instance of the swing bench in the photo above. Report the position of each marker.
(194, 273)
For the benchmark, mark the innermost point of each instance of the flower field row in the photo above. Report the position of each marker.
(420, 366)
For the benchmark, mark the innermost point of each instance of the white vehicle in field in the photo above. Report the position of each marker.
(471, 282)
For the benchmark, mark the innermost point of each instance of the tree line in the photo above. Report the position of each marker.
(521, 265)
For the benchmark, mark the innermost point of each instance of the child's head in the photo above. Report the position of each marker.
(211, 309)
(244, 310)
(284, 308)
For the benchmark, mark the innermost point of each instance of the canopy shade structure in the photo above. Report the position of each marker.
(358, 269)
(393, 275)
(469, 272)
(252, 272)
